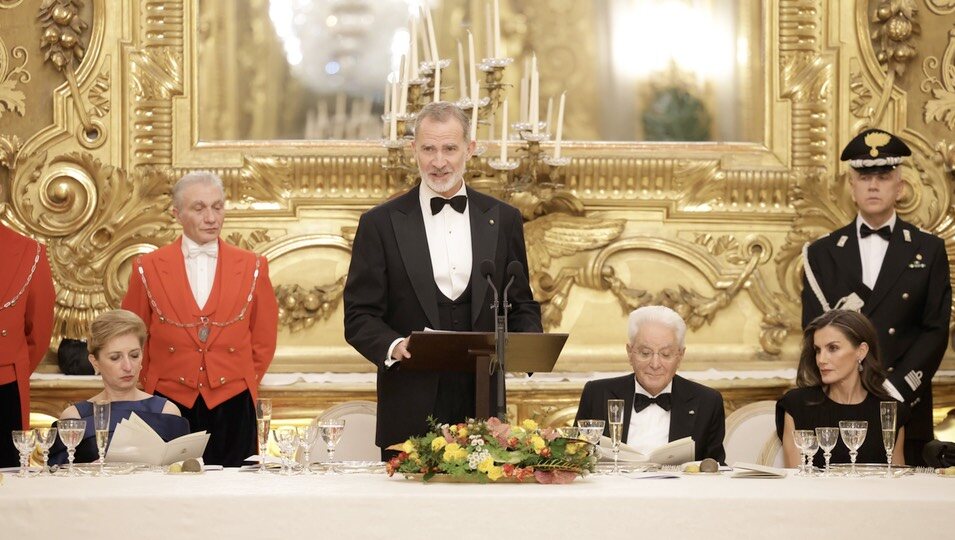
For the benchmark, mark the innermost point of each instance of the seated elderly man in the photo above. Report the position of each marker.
(661, 405)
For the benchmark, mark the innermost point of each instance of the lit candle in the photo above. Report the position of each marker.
(462, 84)
(475, 89)
(488, 29)
(560, 125)
(498, 46)
(413, 47)
(437, 82)
(550, 113)
(504, 132)
(432, 39)
(406, 71)
(535, 96)
(393, 130)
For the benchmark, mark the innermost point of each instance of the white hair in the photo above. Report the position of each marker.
(657, 314)
(193, 178)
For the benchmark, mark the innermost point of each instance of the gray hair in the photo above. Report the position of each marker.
(191, 179)
(442, 111)
(657, 314)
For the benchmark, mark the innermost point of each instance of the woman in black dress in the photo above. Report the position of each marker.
(839, 378)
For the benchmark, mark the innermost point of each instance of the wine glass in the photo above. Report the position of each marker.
(306, 437)
(853, 435)
(71, 433)
(828, 437)
(591, 430)
(332, 430)
(287, 439)
(800, 439)
(615, 409)
(812, 446)
(568, 432)
(888, 413)
(25, 441)
(45, 437)
(101, 425)
(263, 421)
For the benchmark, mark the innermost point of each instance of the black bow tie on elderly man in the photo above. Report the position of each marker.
(642, 401)
(885, 231)
(458, 203)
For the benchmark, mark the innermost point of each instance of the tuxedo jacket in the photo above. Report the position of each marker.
(697, 411)
(390, 292)
(910, 306)
(27, 324)
(233, 358)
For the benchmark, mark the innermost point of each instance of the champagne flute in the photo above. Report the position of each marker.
(888, 413)
(853, 435)
(615, 417)
(263, 421)
(828, 437)
(306, 437)
(71, 432)
(101, 425)
(25, 441)
(332, 430)
(45, 437)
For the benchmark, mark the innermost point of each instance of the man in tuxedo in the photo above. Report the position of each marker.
(416, 264)
(894, 272)
(212, 319)
(26, 323)
(660, 406)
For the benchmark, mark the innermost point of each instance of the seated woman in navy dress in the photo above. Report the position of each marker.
(839, 377)
(116, 352)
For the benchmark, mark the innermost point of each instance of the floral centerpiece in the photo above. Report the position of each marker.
(490, 450)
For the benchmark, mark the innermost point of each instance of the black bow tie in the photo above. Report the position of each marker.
(458, 202)
(642, 401)
(885, 231)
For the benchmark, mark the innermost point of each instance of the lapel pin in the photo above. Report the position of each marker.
(842, 241)
(918, 256)
(692, 411)
(907, 234)
(491, 221)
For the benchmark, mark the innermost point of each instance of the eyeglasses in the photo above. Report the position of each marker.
(645, 354)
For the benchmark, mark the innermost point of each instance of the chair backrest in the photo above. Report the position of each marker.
(358, 441)
(751, 435)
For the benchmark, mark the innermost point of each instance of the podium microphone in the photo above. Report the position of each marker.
(487, 271)
(939, 454)
(500, 337)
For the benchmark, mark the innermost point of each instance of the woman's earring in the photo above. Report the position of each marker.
(860, 366)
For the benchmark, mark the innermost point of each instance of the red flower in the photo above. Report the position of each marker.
(545, 452)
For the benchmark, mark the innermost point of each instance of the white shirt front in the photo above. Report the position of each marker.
(650, 428)
(872, 250)
(449, 243)
(200, 269)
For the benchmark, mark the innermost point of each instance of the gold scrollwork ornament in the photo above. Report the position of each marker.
(300, 308)
(941, 106)
(11, 99)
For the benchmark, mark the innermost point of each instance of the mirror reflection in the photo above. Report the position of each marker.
(633, 70)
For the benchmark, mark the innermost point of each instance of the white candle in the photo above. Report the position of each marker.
(432, 39)
(462, 67)
(387, 99)
(475, 89)
(504, 131)
(488, 29)
(422, 34)
(550, 113)
(560, 125)
(393, 130)
(437, 82)
(406, 71)
(522, 111)
(535, 96)
(498, 46)
(413, 38)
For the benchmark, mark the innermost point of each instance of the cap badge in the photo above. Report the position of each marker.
(876, 139)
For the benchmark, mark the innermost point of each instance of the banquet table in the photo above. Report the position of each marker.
(231, 504)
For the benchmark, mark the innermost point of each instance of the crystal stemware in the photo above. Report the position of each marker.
(45, 437)
(591, 431)
(332, 430)
(71, 433)
(306, 438)
(801, 440)
(828, 437)
(263, 421)
(812, 446)
(287, 439)
(101, 426)
(615, 409)
(853, 435)
(888, 413)
(25, 441)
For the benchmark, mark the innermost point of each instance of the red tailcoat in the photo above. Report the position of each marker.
(233, 358)
(25, 326)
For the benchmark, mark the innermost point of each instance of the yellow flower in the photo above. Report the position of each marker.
(495, 472)
(463, 432)
(454, 452)
(572, 448)
(486, 465)
(529, 425)
(537, 443)
(438, 443)
(414, 457)
(407, 447)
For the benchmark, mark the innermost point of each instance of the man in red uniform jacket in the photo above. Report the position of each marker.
(212, 319)
(26, 322)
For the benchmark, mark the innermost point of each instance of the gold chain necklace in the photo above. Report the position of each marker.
(204, 322)
(13, 301)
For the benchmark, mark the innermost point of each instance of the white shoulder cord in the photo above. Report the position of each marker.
(811, 278)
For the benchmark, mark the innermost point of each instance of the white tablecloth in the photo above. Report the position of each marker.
(225, 505)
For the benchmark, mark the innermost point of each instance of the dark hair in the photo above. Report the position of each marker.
(856, 328)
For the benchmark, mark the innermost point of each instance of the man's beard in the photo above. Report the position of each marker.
(443, 186)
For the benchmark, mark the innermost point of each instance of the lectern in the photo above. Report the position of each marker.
(472, 352)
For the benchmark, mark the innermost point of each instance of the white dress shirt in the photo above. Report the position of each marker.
(872, 250)
(200, 267)
(649, 428)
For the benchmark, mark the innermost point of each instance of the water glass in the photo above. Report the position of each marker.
(888, 413)
(853, 435)
(615, 408)
(332, 430)
(101, 425)
(591, 431)
(25, 441)
(71, 432)
(828, 437)
(263, 421)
